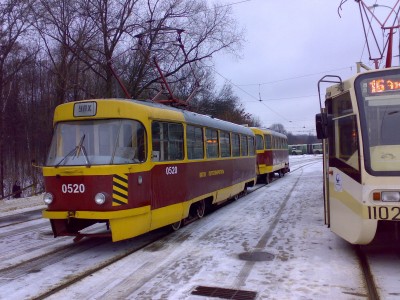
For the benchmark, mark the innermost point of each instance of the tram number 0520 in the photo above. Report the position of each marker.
(73, 188)
(384, 213)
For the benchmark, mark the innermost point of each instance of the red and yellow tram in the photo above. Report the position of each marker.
(272, 154)
(137, 166)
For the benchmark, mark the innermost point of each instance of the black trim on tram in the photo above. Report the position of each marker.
(345, 168)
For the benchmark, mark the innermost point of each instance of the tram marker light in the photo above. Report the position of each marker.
(376, 196)
(391, 196)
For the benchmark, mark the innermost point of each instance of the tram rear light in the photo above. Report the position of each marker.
(48, 198)
(391, 196)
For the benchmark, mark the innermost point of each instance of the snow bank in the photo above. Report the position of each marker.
(14, 206)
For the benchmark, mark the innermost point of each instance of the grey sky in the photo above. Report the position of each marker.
(289, 46)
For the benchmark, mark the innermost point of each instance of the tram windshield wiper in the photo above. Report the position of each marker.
(77, 151)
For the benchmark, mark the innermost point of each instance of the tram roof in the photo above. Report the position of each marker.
(201, 120)
(189, 117)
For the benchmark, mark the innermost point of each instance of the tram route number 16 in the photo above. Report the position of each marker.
(73, 188)
(384, 213)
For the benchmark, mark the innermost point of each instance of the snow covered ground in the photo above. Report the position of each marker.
(14, 206)
(284, 219)
(280, 227)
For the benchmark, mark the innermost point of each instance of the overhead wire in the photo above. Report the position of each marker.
(297, 77)
(247, 93)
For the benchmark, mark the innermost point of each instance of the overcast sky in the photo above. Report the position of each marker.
(289, 46)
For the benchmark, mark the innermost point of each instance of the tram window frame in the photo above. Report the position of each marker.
(225, 143)
(374, 163)
(268, 141)
(212, 143)
(259, 142)
(235, 144)
(167, 141)
(195, 142)
(244, 145)
(344, 152)
(252, 146)
(103, 142)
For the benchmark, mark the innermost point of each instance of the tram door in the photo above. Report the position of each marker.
(325, 164)
(342, 154)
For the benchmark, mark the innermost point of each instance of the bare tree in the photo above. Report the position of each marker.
(15, 21)
(64, 34)
(181, 34)
(278, 128)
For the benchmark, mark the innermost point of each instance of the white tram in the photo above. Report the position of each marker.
(360, 128)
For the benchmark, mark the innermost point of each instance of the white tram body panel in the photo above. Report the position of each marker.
(362, 154)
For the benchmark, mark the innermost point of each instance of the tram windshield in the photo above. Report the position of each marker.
(97, 142)
(380, 119)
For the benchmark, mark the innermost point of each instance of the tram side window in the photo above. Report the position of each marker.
(235, 144)
(344, 140)
(259, 142)
(252, 149)
(225, 141)
(347, 136)
(268, 142)
(244, 147)
(167, 139)
(212, 143)
(195, 143)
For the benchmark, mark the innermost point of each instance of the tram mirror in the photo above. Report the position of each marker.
(321, 125)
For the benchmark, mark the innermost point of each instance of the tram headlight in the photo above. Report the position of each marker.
(48, 198)
(100, 198)
(390, 196)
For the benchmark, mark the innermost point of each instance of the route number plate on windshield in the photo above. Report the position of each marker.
(85, 109)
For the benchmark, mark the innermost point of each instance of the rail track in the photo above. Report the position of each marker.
(380, 261)
(75, 262)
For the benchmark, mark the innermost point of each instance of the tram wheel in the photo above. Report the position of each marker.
(176, 225)
(267, 179)
(243, 193)
(200, 209)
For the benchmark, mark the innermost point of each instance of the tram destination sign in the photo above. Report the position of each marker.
(383, 85)
(85, 109)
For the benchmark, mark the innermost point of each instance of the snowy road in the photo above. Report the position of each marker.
(271, 243)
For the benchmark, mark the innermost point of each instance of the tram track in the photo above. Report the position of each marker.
(379, 263)
(19, 218)
(74, 261)
(370, 284)
(68, 252)
(90, 271)
(149, 271)
(70, 257)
